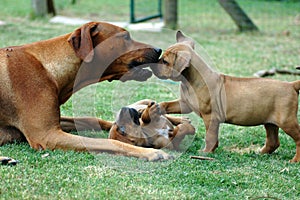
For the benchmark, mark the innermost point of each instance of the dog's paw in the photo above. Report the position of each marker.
(207, 150)
(295, 160)
(158, 155)
(8, 161)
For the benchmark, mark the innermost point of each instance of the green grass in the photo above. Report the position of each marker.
(238, 171)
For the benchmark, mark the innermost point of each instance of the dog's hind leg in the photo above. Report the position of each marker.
(292, 128)
(272, 140)
(10, 134)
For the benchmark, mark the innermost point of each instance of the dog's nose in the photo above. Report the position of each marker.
(158, 50)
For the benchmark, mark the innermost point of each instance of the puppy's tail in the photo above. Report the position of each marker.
(296, 85)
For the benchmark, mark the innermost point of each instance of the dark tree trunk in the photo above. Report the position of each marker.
(170, 14)
(51, 7)
(43, 7)
(240, 18)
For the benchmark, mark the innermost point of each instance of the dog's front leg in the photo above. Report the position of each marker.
(175, 107)
(212, 132)
(57, 139)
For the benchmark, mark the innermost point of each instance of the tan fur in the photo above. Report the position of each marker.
(37, 78)
(218, 98)
(155, 130)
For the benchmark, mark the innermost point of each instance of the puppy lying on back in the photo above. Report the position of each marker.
(142, 124)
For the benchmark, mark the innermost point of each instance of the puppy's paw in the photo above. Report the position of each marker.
(154, 110)
(295, 160)
(185, 120)
(207, 150)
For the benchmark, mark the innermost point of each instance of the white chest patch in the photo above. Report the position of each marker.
(164, 131)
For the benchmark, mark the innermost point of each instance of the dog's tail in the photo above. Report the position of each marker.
(296, 85)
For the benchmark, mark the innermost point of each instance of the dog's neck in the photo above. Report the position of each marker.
(57, 64)
(69, 71)
(199, 74)
(203, 84)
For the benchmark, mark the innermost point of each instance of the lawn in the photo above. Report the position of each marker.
(238, 170)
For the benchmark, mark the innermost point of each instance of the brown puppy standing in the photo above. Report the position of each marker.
(218, 98)
(35, 79)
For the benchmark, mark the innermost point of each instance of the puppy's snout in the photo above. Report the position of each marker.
(158, 50)
(122, 130)
(151, 103)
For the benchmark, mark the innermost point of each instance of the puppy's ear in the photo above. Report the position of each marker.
(181, 38)
(182, 61)
(134, 116)
(82, 43)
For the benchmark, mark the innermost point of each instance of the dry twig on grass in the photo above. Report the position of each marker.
(201, 158)
(272, 72)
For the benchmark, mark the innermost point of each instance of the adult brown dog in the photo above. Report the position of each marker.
(35, 79)
(142, 124)
(218, 98)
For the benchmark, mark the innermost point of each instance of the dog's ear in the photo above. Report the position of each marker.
(134, 116)
(82, 43)
(182, 61)
(181, 38)
(128, 115)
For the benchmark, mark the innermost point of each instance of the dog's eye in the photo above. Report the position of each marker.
(165, 62)
(127, 36)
